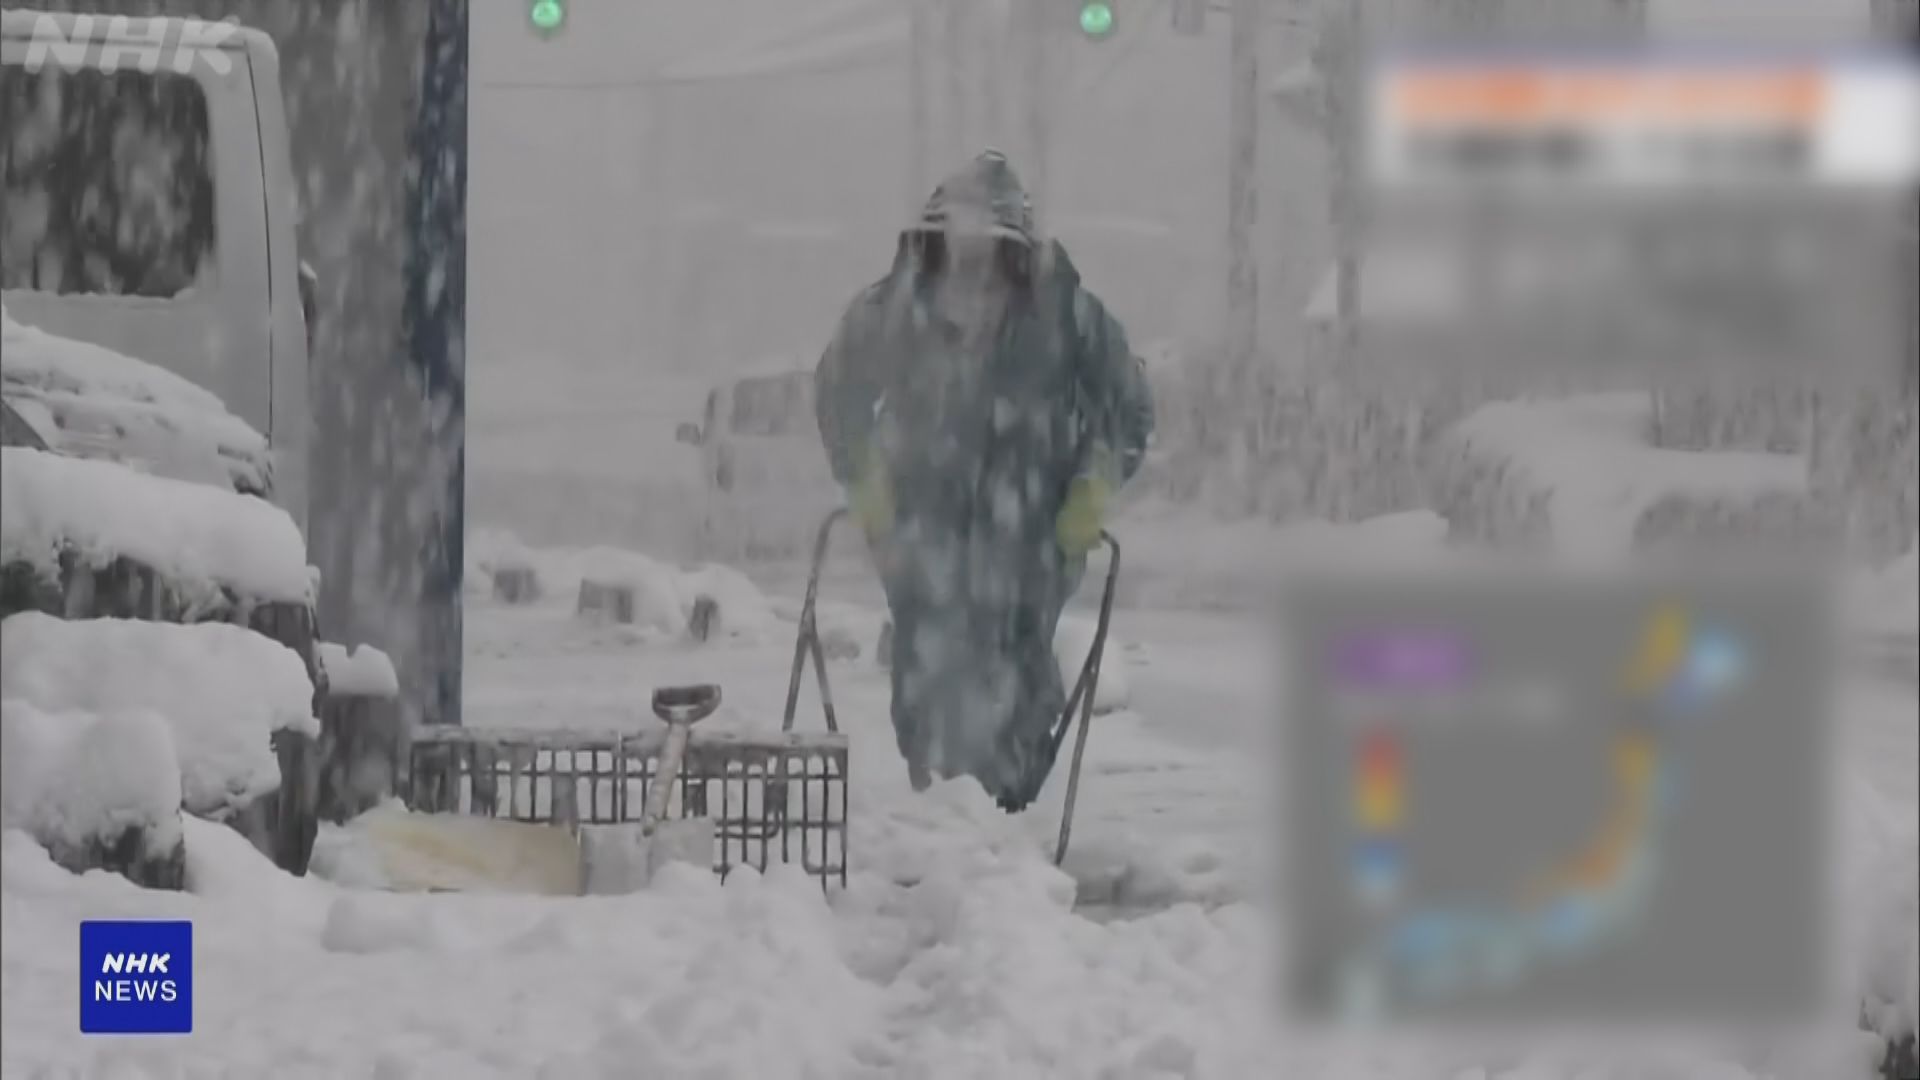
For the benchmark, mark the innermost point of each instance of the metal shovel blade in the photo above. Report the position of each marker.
(618, 859)
(622, 858)
(458, 853)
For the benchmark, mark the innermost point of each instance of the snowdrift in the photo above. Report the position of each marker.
(1575, 476)
(97, 791)
(223, 692)
(362, 671)
(662, 595)
(205, 542)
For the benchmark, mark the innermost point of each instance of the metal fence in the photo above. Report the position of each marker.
(773, 797)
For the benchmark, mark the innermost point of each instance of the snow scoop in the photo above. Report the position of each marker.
(623, 858)
(1085, 690)
(458, 853)
(436, 848)
(747, 797)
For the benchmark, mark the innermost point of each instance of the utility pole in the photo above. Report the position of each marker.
(919, 118)
(1243, 187)
(1033, 29)
(1341, 64)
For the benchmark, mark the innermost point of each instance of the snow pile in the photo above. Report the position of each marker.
(75, 779)
(200, 538)
(663, 594)
(1576, 476)
(90, 401)
(655, 586)
(223, 690)
(955, 955)
(744, 609)
(363, 672)
(489, 551)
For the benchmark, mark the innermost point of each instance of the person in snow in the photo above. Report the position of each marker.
(981, 407)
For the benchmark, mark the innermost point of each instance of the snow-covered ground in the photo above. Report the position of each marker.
(957, 950)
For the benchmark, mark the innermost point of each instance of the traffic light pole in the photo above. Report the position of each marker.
(1033, 40)
(919, 116)
(1243, 185)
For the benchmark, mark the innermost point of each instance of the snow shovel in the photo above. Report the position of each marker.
(421, 852)
(623, 858)
(1085, 689)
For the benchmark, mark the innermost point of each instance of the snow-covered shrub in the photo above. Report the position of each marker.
(1862, 443)
(225, 693)
(628, 587)
(89, 401)
(1292, 440)
(211, 547)
(98, 792)
(1487, 495)
(1868, 463)
(1775, 521)
(1575, 474)
(515, 584)
(501, 566)
(1694, 413)
(743, 610)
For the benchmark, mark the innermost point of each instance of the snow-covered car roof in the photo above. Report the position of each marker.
(84, 400)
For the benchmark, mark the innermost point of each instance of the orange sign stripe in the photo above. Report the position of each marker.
(1524, 95)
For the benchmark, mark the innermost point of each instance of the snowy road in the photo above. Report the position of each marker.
(1171, 803)
(952, 954)
(1164, 779)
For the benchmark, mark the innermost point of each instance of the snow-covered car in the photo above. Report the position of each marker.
(83, 400)
(15, 431)
(766, 475)
(150, 213)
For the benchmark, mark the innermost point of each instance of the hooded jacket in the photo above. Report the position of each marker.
(983, 449)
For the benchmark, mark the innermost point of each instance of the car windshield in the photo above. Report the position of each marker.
(142, 225)
(773, 405)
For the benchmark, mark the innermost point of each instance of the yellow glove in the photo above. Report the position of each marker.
(1081, 519)
(871, 499)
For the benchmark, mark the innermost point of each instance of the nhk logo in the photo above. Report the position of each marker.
(144, 45)
(156, 988)
(136, 978)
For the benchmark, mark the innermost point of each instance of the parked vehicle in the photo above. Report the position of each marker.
(180, 251)
(765, 473)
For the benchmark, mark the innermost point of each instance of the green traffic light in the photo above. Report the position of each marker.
(547, 15)
(1096, 18)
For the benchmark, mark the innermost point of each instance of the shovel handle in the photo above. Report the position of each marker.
(671, 755)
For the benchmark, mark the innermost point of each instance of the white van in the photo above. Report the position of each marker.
(150, 209)
(767, 482)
